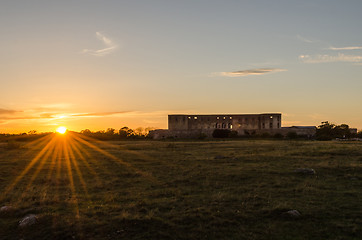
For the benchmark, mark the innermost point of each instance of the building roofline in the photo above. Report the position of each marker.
(226, 114)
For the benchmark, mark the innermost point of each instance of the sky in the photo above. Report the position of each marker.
(92, 64)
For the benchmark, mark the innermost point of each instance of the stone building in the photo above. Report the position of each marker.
(242, 123)
(195, 125)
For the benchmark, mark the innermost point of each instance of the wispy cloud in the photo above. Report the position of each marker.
(303, 39)
(345, 48)
(41, 115)
(328, 58)
(110, 46)
(99, 114)
(247, 72)
(7, 111)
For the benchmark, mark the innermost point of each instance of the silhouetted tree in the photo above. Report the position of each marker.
(86, 132)
(359, 134)
(32, 132)
(139, 131)
(110, 131)
(328, 131)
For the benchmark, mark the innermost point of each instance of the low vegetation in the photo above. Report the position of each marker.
(329, 131)
(182, 190)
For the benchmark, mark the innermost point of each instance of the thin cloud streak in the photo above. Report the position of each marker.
(303, 39)
(7, 111)
(328, 58)
(53, 115)
(345, 48)
(110, 46)
(100, 114)
(257, 71)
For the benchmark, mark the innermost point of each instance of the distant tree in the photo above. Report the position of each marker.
(328, 131)
(32, 132)
(342, 131)
(123, 132)
(130, 133)
(86, 132)
(139, 131)
(147, 131)
(126, 132)
(110, 131)
(325, 131)
(359, 134)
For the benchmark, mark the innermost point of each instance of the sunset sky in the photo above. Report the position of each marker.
(98, 64)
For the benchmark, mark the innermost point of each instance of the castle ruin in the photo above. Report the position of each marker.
(196, 125)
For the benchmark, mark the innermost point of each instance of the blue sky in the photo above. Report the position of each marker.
(98, 64)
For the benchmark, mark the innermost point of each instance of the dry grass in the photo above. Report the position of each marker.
(185, 190)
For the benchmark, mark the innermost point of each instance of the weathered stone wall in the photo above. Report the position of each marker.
(237, 122)
(196, 126)
(300, 131)
(200, 133)
(177, 122)
(195, 133)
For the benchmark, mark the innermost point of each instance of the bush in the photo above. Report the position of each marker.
(292, 135)
(233, 134)
(265, 135)
(328, 131)
(221, 133)
(359, 134)
(278, 136)
(202, 136)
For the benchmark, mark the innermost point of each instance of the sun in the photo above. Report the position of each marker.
(61, 130)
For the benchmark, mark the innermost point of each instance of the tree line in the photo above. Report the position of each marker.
(325, 131)
(329, 131)
(121, 134)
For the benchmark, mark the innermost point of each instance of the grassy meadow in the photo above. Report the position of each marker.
(234, 189)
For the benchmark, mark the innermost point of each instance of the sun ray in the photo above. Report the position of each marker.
(49, 178)
(105, 153)
(38, 141)
(101, 166)
(76, 147)
(53, 161)
(39, 168)
(104, 143)
(28, 167)
(76, 167)
(71, 180)
(144, 156)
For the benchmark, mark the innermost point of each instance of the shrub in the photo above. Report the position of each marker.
(233, 134)
(278, 136)
(292, 135)
(221, 133)
(202, 136)
(265, 135)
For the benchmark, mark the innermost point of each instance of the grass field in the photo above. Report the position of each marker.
(82, 189)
